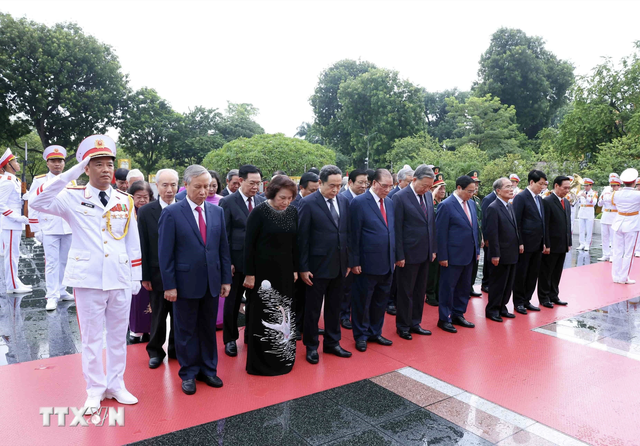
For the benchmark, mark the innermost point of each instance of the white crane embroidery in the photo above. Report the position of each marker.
(284, 327)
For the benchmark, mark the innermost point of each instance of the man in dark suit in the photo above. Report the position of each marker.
(372, 259)
(487, 265)
(357, 185)
(415, 249)
(233, 183)
(458, 241)
(148, 217)
(529, 211)
(504, 247)
(196, 270)
(236, 211)
(308, 185)
(323, 244)
(557, 217)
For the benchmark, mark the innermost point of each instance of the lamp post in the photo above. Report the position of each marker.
(366, 161)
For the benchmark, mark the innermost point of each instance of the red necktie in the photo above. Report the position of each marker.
(250, 205)
(383, 212)
(562, 201)
(202, 224)
(466, 211)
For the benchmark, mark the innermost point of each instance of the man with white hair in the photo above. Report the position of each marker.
(405, 176)
(625, 226)
(134, 176)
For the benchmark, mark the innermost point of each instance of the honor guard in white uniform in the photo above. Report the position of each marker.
(104, 263)
(587, 200)
(52, 231)
(625, 226)
(515, 180)
(609, 212)
(12, 221)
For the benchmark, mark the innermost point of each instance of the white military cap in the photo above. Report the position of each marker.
(629, 175)
(54, 152)
(95, 146)
(6, 157)
(514, 177)
(614, 178)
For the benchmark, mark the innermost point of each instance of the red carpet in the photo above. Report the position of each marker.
(581, 391)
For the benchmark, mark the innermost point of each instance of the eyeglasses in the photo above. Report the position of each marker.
(385, 186)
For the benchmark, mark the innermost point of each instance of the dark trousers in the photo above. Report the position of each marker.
(160, 308)
(345, 306)
(195, 326)
(455, 282)
(412, 286)
(299, 303)
(232, 309)
(331, 290)
(487, 268)
(500, 287)
(433, 282)
(474, 274)
(549, 279)
(368, 304)
(526, 277)
(393, 294)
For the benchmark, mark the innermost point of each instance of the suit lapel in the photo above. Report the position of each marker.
(458, 207)
(376, 207)
(188, 213)
(95, 199)
(323, 205)
(507, 211)
(412, 198)
(211, 219)
(242, 204)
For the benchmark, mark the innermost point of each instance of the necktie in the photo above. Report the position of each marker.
(250, 205)
(202, 224)
(562, 201)
(423, 205)
(383, 212)
(334, 213)
(466, 211)
(103, 198)
(538, 205)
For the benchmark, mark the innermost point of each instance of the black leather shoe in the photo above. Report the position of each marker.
(392, 310)
(432, 303)
(521, 309)
(484, 289)
(361, 346)
(460, 320)
(346, 323)
(404, 334)
(211, 381)
(508, 315)
(298, 337)
(559, 302)
(155, 362)
(320, 331)
(338, 351)
(189, 386)
(447, 326)
(495, 318)
(231, 349)
(532, 307)
(547, 304)
(474, 294)
(419, 330)
(312, 356)
(380, 340)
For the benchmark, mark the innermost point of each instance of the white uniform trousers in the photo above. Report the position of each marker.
(586, 231)
(607, 239)
(11, 249)
(97, 308)
(56, 250)
(624, 244)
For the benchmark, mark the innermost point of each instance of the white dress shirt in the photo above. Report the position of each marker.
(163, 204)
(246, 199)
(96, 192)
(196, 215)
(335, 204)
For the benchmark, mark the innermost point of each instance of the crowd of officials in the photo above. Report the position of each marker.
(345, 248)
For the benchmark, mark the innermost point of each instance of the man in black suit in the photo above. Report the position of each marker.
(308, 185)
(148, 217)
(233, 183)
(323, 243)
(504, 248)
(415, 249)
(357, 185)
(557, 240)
(487, 265)
(236, 210)
(529, 211)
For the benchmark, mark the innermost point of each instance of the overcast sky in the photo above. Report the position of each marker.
(270, 53)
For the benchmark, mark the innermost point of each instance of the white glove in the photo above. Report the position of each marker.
(135, 287)
(21, 219)
(75, 172)
(38, 236)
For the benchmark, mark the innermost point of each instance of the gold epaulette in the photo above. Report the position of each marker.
(40, 176)
(123, 193)
(77, 187)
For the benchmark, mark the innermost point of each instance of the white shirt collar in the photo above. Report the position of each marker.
(351, 192)
(532, 193)
(245, 198)
(503, 202)
(193, 205)
(96, 192)
(414, 192)
(375, 197)
(163, 204)
(460, 200)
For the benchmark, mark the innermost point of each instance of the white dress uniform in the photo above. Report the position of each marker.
(12, 225)
(104, 267)
(55, 235)
(586, 214)
(609, 212)
(626, 227)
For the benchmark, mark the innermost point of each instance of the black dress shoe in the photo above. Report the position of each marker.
(189, 386)
(320, 331)
(473, 293)
(231, 349)
(521, 309)
(432, 303)
(155, 362)
(404, 334)
(419, 330)
(172, 354)
(508, 315)
(312, 356)
(298, 337)
(346, 323)
(211, 381)
(392, 310)
(484, 289)
(447, 326)
(495, 318)
(532, 307)
(460, 320)
(361, 346)
(559, 302)
(380, 340)
(547, 304)
(338, 351)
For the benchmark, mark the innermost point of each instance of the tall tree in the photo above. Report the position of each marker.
(310, 132)
(519, 70)
(194, 136)
(435, 105)
(239, 122)
(63, 83)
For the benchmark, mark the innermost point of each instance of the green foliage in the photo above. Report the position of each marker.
(615, 156)
(270, 153)
(436, 112)
(59, 81)
(195, 136)
(411, 150)
(310, 132)
(238, 122)
(503, 167)
(522, 73)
